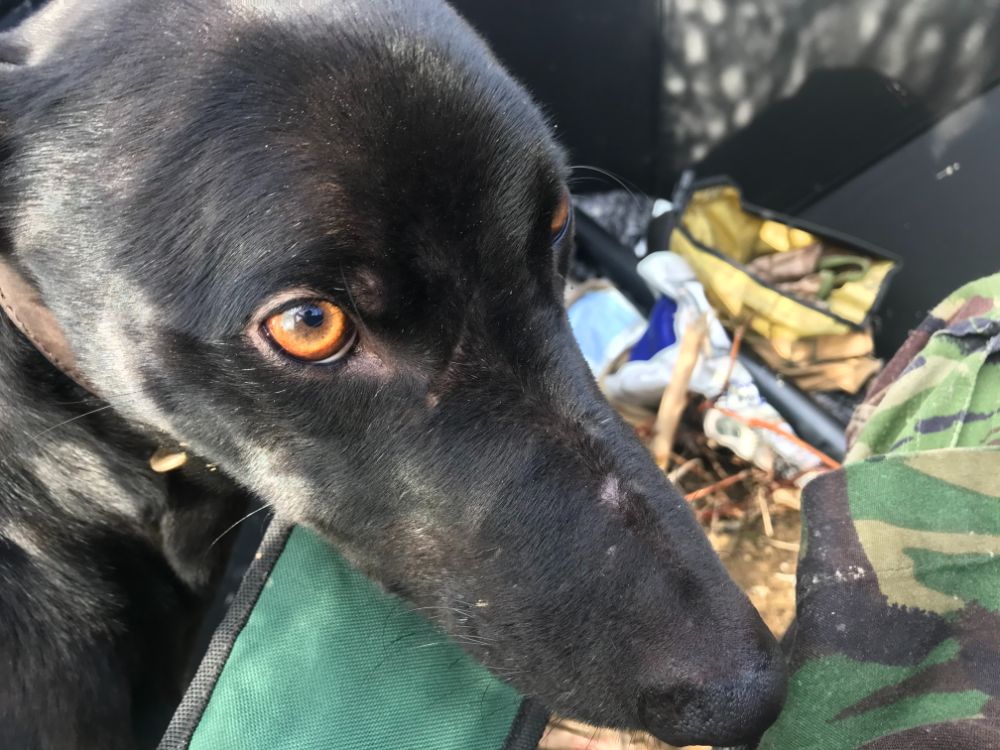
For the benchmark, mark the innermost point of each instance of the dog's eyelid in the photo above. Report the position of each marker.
(565, 230)
(562, 218)
(277, 303)
(297, 302)
(344, 351)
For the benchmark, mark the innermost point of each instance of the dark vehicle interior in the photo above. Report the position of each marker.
(870, 119)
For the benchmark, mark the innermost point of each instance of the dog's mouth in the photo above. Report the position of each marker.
(725, 690)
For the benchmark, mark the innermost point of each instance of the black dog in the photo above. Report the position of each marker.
(320, 245)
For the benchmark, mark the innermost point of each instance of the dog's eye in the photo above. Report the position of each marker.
(316, 331)
(561, 216)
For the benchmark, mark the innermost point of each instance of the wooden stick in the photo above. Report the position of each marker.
(789, 546)
(681, 471)
(765, 513)
(734, 353)
(783, 497)
(668, 416)
(720, 485)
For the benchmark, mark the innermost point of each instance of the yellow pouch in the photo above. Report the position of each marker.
(819, 349)
(825, 363)
(718, 234)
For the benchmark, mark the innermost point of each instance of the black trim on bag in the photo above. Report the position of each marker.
(528, 726)
(188, 715)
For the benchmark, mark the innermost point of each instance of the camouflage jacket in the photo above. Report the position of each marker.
(896, 644)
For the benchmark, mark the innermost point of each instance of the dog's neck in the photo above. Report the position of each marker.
(63, 441)
(23, 306)
(73, 451)
(97, 545)
(71, 464)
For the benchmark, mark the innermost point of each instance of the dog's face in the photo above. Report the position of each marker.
(323, 244)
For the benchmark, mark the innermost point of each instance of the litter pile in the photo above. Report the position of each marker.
(726, 337)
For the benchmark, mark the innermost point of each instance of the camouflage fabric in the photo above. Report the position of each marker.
(896, 644)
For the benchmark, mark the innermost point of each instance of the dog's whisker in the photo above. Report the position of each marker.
(473, 640)
(65, 422)
(611, 176)
(91, 398)
(248, 515)
(584, 179)
(462, 612)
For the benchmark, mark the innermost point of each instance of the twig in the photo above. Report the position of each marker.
(734, 353)
(789, 546)
(720, 485)
(681, 471)
(784, 497)
(765, 513)
(726, 509)
(668, 416)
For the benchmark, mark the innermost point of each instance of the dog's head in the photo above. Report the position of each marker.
(323, 244)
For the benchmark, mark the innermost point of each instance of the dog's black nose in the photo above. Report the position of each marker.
(724, 713)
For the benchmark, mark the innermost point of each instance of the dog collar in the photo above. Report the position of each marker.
(23, 304)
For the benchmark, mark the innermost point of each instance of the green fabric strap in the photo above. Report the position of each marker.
(328, 660)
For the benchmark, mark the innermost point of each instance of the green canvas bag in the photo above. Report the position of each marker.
(313, 655)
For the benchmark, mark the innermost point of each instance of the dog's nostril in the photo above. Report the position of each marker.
(726, 713)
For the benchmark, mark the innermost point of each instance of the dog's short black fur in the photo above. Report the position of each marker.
(170, 170)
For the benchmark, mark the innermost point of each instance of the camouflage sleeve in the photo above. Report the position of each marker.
(896, 644)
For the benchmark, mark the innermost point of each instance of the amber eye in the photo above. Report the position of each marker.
(315, 331)
(560, 218)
